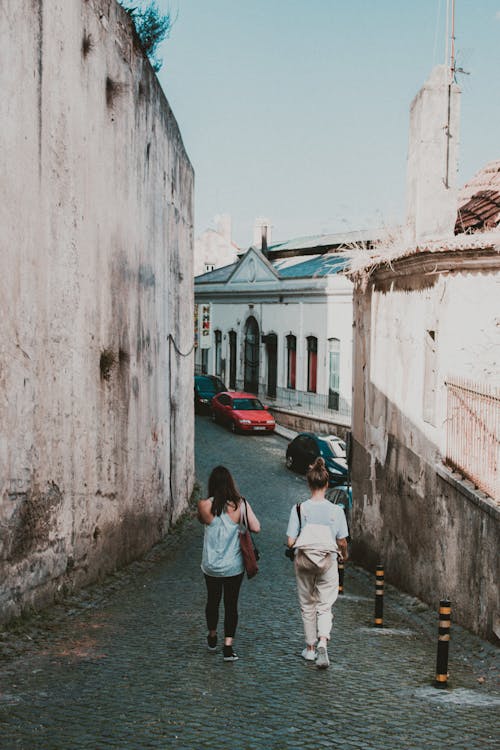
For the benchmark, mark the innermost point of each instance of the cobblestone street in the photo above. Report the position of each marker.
(124, 664)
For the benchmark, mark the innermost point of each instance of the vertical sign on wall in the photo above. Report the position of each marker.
(196, 328)
(204, 323)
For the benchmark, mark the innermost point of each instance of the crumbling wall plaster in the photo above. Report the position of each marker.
(431, 534)
(96, 429)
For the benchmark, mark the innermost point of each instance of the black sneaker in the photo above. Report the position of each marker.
(229, 654)
(212, 643)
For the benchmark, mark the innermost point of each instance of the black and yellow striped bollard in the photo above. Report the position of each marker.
(379, 597)
(443, 643)
(341, 576)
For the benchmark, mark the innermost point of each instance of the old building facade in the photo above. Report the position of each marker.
(280, 325)
(426, 410)
(425, 425)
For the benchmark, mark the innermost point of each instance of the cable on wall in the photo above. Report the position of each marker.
(172, 343)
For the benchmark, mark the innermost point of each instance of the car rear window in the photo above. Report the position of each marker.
(337, 447)
(206, 384)
(247, 404)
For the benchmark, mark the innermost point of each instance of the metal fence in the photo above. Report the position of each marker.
(313, 404)
(473, 433)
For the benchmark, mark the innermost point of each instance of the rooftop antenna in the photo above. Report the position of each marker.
(447, 32)
(450, 20)
(452, 54)
(450, 83)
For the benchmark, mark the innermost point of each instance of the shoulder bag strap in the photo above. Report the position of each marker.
(299, 515)
(243, 513)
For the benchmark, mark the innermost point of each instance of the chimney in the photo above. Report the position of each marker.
(433, 158)
(223, 225)
(262, 234)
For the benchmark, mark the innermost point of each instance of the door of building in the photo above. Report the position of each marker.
(272, 363)
(251, 365)
(232, 359)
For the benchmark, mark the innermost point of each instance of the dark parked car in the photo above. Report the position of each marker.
(205, 388)
(242, 412)
(306, 447)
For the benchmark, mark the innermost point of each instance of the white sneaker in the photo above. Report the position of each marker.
(322, 662)
(309, 655)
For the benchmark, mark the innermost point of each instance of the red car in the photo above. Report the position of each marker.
(243, 412)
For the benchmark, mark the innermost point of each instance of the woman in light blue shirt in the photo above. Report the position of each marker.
(222, 562)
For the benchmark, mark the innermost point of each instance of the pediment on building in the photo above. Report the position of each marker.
(253, 268)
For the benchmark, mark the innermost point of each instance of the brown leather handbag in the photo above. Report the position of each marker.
(248, 549)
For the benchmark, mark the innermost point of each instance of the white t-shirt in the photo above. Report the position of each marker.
(321, 512)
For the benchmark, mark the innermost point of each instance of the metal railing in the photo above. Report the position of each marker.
(313, 404)
(473, 433)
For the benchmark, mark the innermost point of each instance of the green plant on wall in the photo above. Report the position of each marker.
(152, 27)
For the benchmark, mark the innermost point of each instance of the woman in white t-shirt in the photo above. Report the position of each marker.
(318, 533)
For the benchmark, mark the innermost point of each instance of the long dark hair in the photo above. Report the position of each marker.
(317, 476)
(222, 487)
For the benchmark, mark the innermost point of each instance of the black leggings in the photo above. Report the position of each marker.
(231, 588)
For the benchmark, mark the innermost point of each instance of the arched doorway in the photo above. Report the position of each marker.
(251, 371)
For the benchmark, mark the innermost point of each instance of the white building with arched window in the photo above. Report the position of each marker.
(280, 326)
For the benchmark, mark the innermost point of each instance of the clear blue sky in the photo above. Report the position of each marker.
(298, 110)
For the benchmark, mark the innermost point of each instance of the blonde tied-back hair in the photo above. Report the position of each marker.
(317, 475)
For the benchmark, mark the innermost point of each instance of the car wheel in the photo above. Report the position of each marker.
(214, 418)
(289, 461)
(233, 427)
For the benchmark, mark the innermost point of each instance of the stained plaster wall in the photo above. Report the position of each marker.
(96, 430)
(435, 537)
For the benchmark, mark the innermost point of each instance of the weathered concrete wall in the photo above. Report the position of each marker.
(433, 158)
(435, 537)
(304, 423)
(96, 429)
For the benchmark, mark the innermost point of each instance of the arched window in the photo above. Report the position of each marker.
(312, 363)
(334, 374)
(291, 360)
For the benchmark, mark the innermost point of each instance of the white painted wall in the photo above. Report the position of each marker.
(463, 310)
(96, 217)
(433, 158)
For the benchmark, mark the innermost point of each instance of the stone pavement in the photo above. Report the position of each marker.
(124, 665)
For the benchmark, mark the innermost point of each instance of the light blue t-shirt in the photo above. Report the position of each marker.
(322, 512)
(221, 548)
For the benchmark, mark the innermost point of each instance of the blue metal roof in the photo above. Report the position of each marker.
(217, 275)
(324, 265)
(339, 239)
(298, 267)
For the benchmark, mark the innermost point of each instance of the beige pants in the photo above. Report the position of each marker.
(317, 594)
